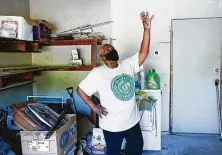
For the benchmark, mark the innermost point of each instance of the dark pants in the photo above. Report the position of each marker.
(133, 138)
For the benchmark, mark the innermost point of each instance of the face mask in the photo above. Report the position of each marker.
(112, 55)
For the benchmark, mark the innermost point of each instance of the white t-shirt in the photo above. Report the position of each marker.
(116, 89)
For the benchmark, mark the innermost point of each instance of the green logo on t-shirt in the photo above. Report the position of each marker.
(123, 87)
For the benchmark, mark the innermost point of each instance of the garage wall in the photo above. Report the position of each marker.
(15, 8)
(66, 14)
(127, 29)
(197, 8)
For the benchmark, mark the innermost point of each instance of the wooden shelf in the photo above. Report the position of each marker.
(67, 68)
(7, 68)
(13, 45)
(16, 85)
(10, 71)
(11, 76)
(16, 72)
(87, 41)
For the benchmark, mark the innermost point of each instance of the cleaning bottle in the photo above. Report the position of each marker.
(152, 80)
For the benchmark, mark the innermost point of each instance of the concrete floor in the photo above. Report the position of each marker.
(189, 144)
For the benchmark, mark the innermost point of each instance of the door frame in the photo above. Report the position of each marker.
(171, 79)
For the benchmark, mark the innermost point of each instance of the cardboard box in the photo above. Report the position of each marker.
(84, 126)
(22, 27)
(27, 29)
(21, 120)
(62, 141)
(33, 142)
(42, 30)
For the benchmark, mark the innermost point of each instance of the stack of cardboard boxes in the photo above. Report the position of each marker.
(61, 142)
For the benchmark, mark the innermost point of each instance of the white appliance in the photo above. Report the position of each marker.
(150, 121)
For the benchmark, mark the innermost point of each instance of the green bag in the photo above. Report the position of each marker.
(152, 80)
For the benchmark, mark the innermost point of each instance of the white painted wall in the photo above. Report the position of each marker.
(197, 8)
(67, 14)
(14, 8)
(127, 27)
(64, 15)
(128, 31)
